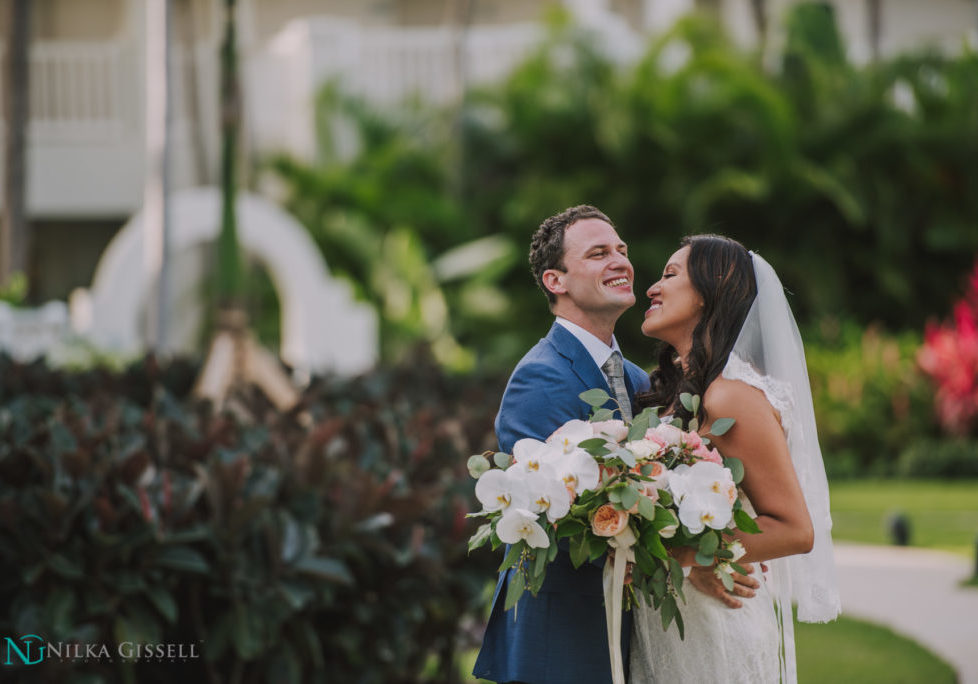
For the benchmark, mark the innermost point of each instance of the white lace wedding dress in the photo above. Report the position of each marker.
(746, 645)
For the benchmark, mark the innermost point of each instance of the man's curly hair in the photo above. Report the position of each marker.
(547, 245)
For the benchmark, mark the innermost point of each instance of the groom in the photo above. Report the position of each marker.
(578, 260)
(559, 636)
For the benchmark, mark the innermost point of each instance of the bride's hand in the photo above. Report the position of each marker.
(704, 580)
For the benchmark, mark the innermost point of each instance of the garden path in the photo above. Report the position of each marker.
(917, 593)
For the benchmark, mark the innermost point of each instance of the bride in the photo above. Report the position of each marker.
(729, 337)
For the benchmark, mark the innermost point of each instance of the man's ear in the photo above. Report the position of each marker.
(553, 280)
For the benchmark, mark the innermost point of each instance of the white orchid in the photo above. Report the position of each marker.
(703, 492)
(499, 490)
(578, 471)
(547, 495)
(570, 434)
(519, 523)
(534, 456)
(697, 512)
(703, 477)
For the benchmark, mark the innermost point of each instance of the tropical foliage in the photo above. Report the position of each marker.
(325, 544)
(855, 182)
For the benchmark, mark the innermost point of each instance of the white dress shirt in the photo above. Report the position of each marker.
(598, 350)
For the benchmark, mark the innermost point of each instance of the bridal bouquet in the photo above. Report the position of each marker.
(640, 489)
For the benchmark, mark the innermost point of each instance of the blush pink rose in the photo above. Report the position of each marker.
(650, 492)
(608, 521)
(711, 455)
(615, 430)
(693, 440)
(666, 434)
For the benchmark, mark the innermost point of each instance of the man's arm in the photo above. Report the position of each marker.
(538, 399)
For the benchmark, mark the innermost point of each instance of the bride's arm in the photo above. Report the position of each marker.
(769, 476)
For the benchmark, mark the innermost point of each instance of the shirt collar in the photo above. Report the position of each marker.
(598, 350)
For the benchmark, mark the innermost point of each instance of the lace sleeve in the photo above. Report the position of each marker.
(777, 393)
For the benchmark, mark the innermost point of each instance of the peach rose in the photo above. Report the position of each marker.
(608, 521)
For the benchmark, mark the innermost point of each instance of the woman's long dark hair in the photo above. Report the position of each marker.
(722, 273)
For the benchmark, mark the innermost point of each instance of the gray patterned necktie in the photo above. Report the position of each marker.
(615, 371)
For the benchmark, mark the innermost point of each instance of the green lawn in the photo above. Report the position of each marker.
(942, 514)
(860, 652)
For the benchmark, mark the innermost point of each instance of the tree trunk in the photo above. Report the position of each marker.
(228, 257)
(759, 11)
(874, 10)
(14, 231)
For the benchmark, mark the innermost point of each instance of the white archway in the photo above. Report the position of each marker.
(322, 329)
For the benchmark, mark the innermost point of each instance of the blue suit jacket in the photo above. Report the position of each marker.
(559, 636)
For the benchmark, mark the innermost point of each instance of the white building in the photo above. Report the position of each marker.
(86, 157)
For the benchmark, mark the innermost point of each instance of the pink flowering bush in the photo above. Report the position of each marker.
(949, 356)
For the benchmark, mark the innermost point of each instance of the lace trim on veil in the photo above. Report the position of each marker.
(778, 393)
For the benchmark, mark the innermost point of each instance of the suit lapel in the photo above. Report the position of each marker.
(580, 361)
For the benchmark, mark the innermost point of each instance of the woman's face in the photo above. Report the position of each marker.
(676, 307)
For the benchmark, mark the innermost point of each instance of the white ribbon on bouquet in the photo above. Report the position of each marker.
(614, 587)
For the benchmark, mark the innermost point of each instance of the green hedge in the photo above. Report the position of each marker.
(871, 400)
(324, 544)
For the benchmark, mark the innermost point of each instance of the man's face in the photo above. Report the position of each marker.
(598, 276)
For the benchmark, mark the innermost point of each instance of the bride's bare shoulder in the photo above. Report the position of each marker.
(726, 397)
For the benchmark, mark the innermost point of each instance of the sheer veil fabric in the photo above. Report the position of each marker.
(770, 344)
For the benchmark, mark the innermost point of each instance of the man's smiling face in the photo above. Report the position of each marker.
(597, 277)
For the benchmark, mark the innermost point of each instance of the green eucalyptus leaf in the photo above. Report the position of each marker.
(709, 544)
(626, 456)
(736, 467)
(477, 465)
(629, 497)
(646, 508)
(686, 399)
(721, 426)
(594, 397)
(640, 425)
(602, 415)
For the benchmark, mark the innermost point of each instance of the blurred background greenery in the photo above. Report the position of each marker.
(334, 533)
(857, 183)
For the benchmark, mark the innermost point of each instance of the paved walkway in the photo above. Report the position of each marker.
(914, 592)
